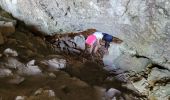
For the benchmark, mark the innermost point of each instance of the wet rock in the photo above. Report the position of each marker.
(1, 39)
(55, 64)
(13, 63)
(16, 80)
(5, 72)
(20, 98)
(10, 52)
(7, 28)
(39, 91)
(30, 69)
(52, 75)
(112, 93)
(129, 63)
(50, 93)
(160, 93)
(31, 63)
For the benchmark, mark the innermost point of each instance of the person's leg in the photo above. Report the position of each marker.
(96, 48)
(107, 44)
(91, 49)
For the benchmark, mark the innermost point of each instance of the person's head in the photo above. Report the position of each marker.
(117, 40)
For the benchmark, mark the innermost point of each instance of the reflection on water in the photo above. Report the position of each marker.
(65, 86)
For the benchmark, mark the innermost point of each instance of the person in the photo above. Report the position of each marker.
(109, 38)
(93, 41)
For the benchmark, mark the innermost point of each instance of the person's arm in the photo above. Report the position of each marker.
(97, 46)
(98, 41)
(91, 49)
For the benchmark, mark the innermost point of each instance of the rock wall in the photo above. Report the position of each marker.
(144, 25)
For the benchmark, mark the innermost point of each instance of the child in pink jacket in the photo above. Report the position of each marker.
(93, 41)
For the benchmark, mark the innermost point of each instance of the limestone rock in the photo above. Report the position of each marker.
(13, 63)
(55, 64)
(158, 74)
(129, 63)
(30, 69)
(114, 53)
(5, 72)
(50, 93)
(112, 93)
(20, 98)
(80, 42)
(123, 77)
(161, 92)
(10, 52)
(52, 75)
(44, 93)
(141, 86)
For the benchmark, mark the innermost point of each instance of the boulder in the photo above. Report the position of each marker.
(13, 63)
(20, 98)
(44, 93)
(5, 72)
(51, 75)
(7, 28)
(114, 52)
(55, 64)
(10, 52)
(30, 69)
(112, 93)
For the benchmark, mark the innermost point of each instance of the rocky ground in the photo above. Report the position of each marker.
(37, 67)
